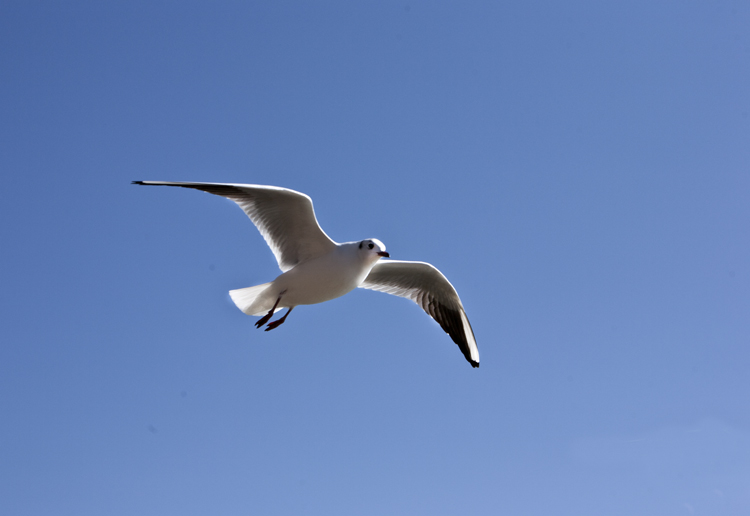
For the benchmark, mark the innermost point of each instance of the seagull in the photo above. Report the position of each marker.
(317, 269)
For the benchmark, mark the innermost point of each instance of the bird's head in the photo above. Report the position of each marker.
(373, 248)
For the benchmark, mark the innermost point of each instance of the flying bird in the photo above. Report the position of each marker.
(317, 269)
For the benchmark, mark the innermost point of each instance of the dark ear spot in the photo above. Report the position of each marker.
(360, 244)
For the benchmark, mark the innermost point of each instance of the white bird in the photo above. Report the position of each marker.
(316, 269)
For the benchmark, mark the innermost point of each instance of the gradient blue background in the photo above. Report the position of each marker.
(580, 172)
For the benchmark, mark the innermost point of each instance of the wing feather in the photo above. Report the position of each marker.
(285, 218)
(426, 286)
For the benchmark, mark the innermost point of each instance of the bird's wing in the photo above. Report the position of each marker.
(426, 286)
(285, 218)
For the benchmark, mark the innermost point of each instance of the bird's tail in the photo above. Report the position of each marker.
(251, 300)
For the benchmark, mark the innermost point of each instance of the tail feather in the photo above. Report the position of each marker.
(250, 299)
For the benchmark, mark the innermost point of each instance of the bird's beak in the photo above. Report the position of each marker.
(384, 254)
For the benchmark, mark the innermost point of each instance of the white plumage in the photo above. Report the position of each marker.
(317, 269)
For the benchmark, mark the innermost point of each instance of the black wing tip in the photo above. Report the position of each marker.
(449, 320)
(153, 183)
(467, 356)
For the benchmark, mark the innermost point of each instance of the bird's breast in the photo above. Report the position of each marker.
(321, 279)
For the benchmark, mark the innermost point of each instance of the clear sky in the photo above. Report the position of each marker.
(580, 171)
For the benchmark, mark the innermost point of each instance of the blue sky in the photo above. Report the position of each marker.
(578, 170)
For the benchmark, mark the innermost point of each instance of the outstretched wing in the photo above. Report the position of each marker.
(426, 286)
(285, 218)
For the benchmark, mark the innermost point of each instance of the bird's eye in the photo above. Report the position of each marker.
(370, 245)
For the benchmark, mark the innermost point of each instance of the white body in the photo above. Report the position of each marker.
(314, 281)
